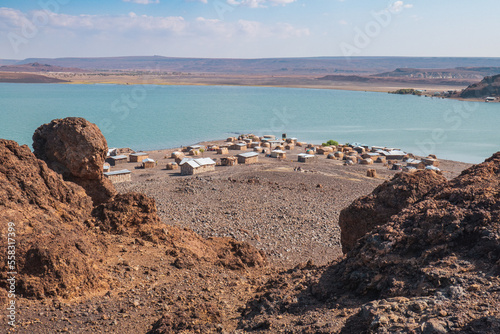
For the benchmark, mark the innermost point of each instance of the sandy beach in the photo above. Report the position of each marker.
(290, 81)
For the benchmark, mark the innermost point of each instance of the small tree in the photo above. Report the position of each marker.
(331, 142)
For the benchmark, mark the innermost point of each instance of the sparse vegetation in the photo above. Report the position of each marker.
(407, 91)
(331, 142)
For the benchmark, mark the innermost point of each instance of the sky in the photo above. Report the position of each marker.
(248, 28)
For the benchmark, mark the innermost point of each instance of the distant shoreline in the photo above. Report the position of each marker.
(299, 81)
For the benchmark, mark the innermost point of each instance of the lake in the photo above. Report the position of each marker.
(147, 117)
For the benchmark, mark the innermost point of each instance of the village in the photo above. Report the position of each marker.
(247, 149)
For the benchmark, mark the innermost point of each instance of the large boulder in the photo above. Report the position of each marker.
(388, 199)
(76, 149)
(54, 254)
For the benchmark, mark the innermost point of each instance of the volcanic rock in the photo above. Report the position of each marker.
(54, 256)
(440, 246)
(130, 214)
(489, 86)
(76, 149)
(388, 199)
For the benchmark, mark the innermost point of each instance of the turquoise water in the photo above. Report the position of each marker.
(153, 117)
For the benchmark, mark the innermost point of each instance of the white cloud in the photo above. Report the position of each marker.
(11, 19)
(398, 6)
(259, 3)
(143, 2)
(343, 22)
(132, 33)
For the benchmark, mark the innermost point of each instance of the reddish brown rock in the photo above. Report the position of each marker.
(454, 231)
(386, 200)
(130, 214)
(54, 254)
(76, 149)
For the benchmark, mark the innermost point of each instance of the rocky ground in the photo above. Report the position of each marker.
(291, 215)
(249, 248)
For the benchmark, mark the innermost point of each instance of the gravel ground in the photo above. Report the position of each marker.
(291, 215)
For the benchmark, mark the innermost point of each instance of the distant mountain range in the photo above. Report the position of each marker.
(475, 73)
(37, 67)
(273, 66)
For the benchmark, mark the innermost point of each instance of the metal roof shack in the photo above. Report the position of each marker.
(196, 147)
(117, 159)
(393, 154)
(238, 146)
(118, 176)
(278, 154)
(304, 157)
(138, 157)
(196, 166)
(434, 168)
(248, 158)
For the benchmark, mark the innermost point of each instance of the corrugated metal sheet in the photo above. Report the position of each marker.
(248, 154)
(117, 172)
(195, 163)
(118, 157)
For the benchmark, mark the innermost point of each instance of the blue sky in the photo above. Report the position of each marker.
(248, 28)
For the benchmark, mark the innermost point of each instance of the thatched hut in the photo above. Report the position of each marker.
(148, 163)
(351, 158)
(324, 150)
(229, 161)
(194, 152)
(223, 150)
(172, 166)
(177, 155)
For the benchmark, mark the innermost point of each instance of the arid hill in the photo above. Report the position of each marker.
(489, 86)
(309, 65)
(37, 67)
(14, 77)
(396, 80)
(469, 73)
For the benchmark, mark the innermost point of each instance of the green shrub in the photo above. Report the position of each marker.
(330, 143)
